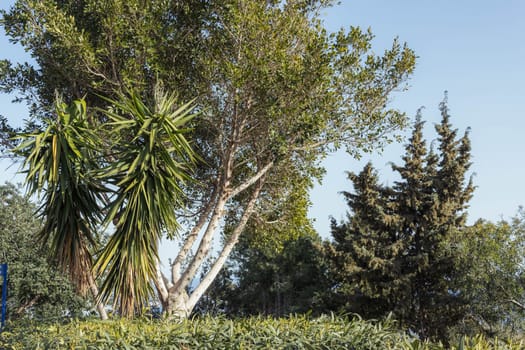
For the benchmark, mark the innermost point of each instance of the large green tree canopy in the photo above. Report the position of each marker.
(275, 90)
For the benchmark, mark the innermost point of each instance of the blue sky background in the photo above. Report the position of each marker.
(476, 51)
(473, 49)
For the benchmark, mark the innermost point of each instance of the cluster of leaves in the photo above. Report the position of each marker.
(296, 332)
(35, 288)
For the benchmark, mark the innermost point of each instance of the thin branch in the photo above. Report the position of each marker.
(517, 303)
(190, 240)
(27, 305)
(251, 180)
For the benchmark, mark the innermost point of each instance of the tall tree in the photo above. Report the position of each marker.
(397, 245)
(432, 197)
(143, 182)
(276, 92)
(57, 160)
(147, 176)
(367, 251)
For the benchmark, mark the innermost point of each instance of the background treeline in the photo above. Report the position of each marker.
(403, 250)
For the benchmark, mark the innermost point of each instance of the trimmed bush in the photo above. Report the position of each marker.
(298, 332)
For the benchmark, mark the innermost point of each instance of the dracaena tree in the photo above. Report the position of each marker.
(56, 161)
(274, 89)
(131, 179)
(152, 158)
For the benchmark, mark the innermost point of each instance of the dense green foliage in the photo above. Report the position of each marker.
(276, 92)
(491, 259)
(296, 332)
(395, 252)
(35, 288)
(262, 281)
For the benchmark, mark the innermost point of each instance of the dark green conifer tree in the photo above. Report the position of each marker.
(436, 302)
(367, 250)
(454, 162)
(396, 253)
(415, 204)
(431, 202)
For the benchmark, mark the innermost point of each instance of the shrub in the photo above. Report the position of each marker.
(297, 332)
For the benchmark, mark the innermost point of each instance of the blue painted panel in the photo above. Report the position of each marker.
(3, 273)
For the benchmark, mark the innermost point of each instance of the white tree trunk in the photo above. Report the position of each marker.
(174, 297)
(226, 250)
(177, 305)
(94, 291)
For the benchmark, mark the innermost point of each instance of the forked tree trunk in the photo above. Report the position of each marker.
(174, 298)
(177, 305)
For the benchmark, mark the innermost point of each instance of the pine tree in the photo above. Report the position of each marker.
(367, 250)
(454, 163)
(436, 304)
(414, 206)
(431, 198)
(395, 253)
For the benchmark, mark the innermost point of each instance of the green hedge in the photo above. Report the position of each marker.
(299, 332)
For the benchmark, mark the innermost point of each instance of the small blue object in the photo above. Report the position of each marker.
(3, 272)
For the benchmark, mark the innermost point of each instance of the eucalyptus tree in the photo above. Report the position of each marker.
(275, 93)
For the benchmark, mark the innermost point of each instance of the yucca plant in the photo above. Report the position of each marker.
(151, 158)
(57, 162)
(130, 177)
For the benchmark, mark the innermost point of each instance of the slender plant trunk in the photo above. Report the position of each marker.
(94, 291)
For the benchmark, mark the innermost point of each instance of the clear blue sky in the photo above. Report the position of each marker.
(473, 49)
(476, 51)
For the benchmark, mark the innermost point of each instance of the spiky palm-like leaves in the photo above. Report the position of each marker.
(57, 163)
(152, 157)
